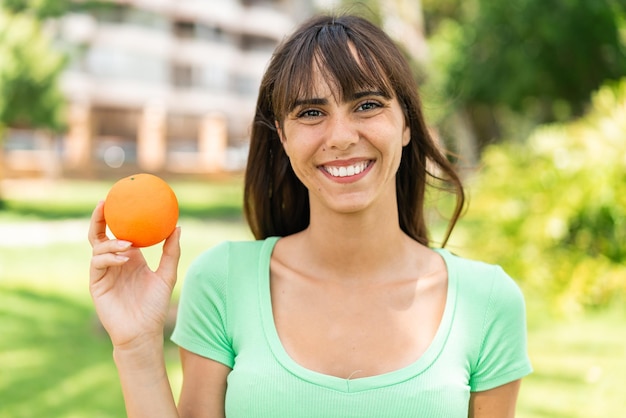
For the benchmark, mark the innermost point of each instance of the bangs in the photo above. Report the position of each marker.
(348, 64)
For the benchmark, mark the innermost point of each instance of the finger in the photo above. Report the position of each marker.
(104, 261)
(105, 255)
(168, 265)
(97, 225)
(111, 246)
(100, 265)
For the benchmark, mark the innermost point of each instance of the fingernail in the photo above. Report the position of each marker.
(124, 244)
(121, 257)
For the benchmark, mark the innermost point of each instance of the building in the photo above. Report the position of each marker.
(164, 85)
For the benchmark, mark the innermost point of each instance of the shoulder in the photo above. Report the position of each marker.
(490, 309)
(218, 264)
(219, 282)
(481, 279)
(225, 253)
(484, 293)
(224, 248)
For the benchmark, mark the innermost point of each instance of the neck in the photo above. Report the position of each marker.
(356, 244)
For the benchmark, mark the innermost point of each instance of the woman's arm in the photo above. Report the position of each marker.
(204, 387)
(143, 377)
(132, 303)
(495, 403)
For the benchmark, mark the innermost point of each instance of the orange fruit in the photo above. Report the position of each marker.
(142, 209)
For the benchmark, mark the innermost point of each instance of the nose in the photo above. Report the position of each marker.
(342, 132)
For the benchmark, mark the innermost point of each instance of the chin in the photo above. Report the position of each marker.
(351, 206)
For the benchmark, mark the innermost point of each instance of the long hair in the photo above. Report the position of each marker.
(276, 203)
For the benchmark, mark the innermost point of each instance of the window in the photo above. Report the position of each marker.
(121, 13)
(116, 63)
(186, 30)
(256, 43)
(182, 132)
(182, 75)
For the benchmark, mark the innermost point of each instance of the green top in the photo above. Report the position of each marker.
(225, 314)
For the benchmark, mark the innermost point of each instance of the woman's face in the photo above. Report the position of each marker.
(345, 150)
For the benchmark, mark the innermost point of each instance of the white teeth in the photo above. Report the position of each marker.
(343, 171)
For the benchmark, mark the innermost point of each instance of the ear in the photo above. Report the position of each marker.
(406, 136)
(281, 136)
(280, 132)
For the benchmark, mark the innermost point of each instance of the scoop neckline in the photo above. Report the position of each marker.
(357, 384)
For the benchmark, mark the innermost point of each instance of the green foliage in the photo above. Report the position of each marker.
(28, 73)
(38, 8)
(544, 56)
(553, 210)
(439, 11)
(44, 9)
(370, 9)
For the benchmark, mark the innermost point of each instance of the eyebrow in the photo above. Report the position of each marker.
(314, 101)
(365, 93)
(311, 101)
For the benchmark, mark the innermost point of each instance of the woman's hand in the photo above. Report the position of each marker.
(131, 300)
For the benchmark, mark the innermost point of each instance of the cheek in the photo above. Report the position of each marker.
(298, 147)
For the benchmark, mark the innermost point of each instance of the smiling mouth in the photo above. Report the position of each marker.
(347, 171)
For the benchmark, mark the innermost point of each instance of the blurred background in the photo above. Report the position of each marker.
(530, 95)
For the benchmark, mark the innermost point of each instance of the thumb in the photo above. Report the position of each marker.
(168, 265)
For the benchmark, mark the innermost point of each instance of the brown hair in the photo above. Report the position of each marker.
(276, 203)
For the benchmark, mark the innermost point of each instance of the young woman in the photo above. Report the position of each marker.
(340, 308)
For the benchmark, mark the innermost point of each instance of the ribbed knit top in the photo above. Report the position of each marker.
(225, 313)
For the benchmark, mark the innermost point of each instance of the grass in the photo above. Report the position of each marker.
(580, 364)
(70, 199)
(56, 360)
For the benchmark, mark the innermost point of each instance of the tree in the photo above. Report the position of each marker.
(29, 68)
(536, 57)
(28, 73)
(30, 65)
(39, 9)
(553, 209)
